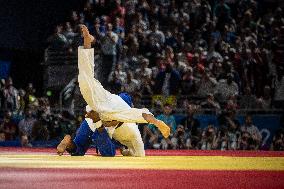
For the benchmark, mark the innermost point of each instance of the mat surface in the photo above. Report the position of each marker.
(42, 168)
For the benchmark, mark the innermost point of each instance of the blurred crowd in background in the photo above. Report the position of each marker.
(26, 118)
(231, 51)
(214, 55)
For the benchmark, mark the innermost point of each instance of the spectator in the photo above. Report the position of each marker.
(192, 127)
(30, 99)
(109, 49)
(22, 103)
(44, 107)
(265, 101)
(131, 85)
(180, 139)
(57, 41)
(8, 128)
(157, 35)
(169, 119)
(124, 59)
(119, 73)
(39, 132)
(206, 85)
(69, 33)
(167, 82)
(233, 132)
(146, 88)
(248, 100)
(278, 141)
(66, 122)
(74, 19)
(115, 83)
(88, 12)
(222, 12)
(210, 103)
(10, 94)
(52, 123)
(2, 87)
(231, 103)
(251, 133)
(26, 127)
(144, 71)
(187, 82)
(97, 29)
(208, 138)
(119, 30)
(226, 88)
(279, 90)
(229, 131)
(244, 141)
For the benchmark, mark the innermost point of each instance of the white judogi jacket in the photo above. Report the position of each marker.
(109, 106)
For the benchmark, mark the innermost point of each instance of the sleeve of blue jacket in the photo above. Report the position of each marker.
(85, 136)
(104, 143)
(83, 139)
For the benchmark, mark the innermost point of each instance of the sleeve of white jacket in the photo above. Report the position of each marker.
(109, 106)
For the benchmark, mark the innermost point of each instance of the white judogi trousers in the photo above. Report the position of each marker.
(109, 106)
(127, 134)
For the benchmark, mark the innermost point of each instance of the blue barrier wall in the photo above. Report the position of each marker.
(269, 122)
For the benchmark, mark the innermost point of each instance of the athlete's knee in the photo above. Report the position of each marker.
(140, 154)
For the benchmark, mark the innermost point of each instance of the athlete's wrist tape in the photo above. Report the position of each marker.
(93, 126)
(98, 124)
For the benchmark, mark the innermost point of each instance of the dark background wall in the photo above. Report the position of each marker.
(25, 24)
(24, 28)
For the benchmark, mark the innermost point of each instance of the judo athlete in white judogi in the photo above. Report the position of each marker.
(125, 136)
(109, 106)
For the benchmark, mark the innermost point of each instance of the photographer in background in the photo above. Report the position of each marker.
(180, 139)
(278, 141)
(26, 127)
(191, 126)
(208, 138)
(8, 129)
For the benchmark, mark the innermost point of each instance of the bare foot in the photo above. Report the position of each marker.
(164, 128)
(64, 144)
(88, 38)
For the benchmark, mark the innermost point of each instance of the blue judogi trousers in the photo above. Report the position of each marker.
(85, 137)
